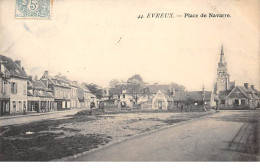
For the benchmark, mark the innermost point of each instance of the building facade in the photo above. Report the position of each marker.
(14, 87)
(163, 100)
(61, 90)
(4, 89)
(84, 96)
(40, 98)
(74, 95)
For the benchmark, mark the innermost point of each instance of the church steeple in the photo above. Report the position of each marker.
(222, 62)
(222, 74)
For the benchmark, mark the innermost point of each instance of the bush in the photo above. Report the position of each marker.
(90, 112)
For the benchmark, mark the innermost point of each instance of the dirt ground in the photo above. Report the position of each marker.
(54, 139)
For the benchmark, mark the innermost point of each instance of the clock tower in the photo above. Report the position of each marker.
(222, 75)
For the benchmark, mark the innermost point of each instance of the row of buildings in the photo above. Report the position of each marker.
(225, 95)
(164, 97)
(19, 93)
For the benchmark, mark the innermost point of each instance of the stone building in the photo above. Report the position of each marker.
(149, 92)
(84, 96)
(163, 100)
(13, 86)
(74, 95)
(40, 98)
(230, 96)
(4, 89)
(61, 90)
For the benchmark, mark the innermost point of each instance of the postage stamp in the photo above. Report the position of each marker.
(34, 9)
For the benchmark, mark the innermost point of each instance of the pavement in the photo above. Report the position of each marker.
(21, 119)
(223, 136)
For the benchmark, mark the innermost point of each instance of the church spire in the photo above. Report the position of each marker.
(222, 62)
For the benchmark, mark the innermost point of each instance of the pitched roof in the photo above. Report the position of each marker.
(198, 95)
(240, 92)
(254, 92)
(195, 95)
(38, 84)
(57, 80)
(156, 87)
(62, 78)
(245, 92)
(223, 94)
(167, 95)
(13, 68)
(38, 89)
(82, 86)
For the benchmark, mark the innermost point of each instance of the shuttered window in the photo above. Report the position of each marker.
(13, 88)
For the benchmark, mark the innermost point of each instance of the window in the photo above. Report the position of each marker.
(14, 106)
(123, 95)
(236, 102)
(243, 102)
(20, 106)
(24, 105)
(222, 101)
(7, 106)
(13, 88)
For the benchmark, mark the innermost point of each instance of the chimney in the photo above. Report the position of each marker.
(18, 62)
(246, 85)
(30, 78)
(46, 73)
(252, 86)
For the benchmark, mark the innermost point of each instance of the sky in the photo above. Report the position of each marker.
(97, 41)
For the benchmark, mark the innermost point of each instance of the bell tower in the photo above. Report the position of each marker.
(222, 75)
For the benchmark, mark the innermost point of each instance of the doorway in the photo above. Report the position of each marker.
(160, 105)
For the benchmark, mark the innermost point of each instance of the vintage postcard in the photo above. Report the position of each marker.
(137, 81)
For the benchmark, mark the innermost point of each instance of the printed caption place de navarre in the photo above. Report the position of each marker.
(185, 15)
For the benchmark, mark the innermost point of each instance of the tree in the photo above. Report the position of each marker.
(116, 87)
(95, 89)
(178, 87)
(113, 83)
(135, 78)
(134, 85)
(189, 102)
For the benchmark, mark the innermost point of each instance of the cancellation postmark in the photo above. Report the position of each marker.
(33, 9)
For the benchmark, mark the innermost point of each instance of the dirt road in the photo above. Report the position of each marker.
(224, 136)
(37, 117)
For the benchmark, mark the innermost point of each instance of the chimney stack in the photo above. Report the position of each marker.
(246, 85)
(252, 86)
(30, 78)
(18, 62)
(46, 73)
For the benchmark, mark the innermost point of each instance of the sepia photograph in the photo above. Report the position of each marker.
(129, 81)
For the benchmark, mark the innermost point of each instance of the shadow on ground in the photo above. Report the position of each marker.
(45, 140)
